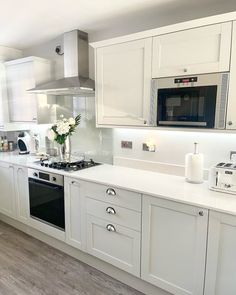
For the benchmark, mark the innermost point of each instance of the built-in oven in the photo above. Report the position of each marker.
(46, 198)
(198, 101)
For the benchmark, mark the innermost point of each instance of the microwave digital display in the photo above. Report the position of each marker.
(185, 80)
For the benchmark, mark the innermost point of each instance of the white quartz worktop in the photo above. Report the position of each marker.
(146, 182)
(16, 159)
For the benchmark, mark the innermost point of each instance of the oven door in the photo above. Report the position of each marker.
(47, 203)
(189, 106)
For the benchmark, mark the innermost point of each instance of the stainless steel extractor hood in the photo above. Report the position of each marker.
(76, 69)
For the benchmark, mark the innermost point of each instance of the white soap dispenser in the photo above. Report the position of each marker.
(194, 166)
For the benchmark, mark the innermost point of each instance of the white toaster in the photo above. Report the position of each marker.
(223, 177)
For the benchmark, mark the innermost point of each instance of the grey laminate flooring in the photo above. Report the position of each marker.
(28, 266)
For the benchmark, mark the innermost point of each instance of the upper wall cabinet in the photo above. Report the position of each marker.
(123, 79)
(231, 110)
(4, 115)
(194, 51)
(21, 75)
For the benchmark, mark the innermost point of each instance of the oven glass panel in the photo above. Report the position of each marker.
(187, 106)
(47, 202)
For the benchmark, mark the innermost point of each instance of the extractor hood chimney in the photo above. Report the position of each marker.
(76, 69)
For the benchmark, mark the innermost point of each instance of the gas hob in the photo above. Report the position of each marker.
(68, 166)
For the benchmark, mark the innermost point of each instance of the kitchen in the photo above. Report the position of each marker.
(117, 148)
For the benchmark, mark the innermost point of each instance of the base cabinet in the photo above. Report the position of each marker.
(7, 195)
(21, 193)
(73, 214)
(221, 253)
(114, 244)
(174, 246)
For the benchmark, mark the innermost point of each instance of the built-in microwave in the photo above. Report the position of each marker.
(198, 101)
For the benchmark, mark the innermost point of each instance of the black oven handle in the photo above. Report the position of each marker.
(45, 184)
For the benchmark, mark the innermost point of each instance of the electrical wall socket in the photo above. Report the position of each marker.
(126, 144)
(149, 147)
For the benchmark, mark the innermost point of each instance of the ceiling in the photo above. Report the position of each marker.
(27, 23)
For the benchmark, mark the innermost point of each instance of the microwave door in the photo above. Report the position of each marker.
(187, 106)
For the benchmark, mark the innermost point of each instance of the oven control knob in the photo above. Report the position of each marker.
(54, 178)
(35, 174)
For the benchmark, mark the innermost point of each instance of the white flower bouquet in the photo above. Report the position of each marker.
(63, 128)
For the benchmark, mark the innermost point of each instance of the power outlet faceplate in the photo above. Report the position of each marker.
(126, 144)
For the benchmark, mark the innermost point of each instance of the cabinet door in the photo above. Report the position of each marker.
(7, 195)
(221, 253)
(22, 193)
(4, 112)
(123, 83)
(174, 246)
(231, 110)
(73, 213)
(195, 51)
(22, 105)
(114, 244)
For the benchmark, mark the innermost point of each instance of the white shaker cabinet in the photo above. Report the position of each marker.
(7, 187)
(231, 110)
(113, 229)
(73, 213)
(195, 51)
(113, 243)
(174, 246)
(22, 75)
(123, 82)
(21, 193)
(4, 113)
(221, 253)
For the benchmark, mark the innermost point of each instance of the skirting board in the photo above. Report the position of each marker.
(104, 267)
(160, 167)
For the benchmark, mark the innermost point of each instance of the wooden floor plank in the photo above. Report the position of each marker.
(30, 267)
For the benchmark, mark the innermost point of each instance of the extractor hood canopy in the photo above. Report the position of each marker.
(76, 69)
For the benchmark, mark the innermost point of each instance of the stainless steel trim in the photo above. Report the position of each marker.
(182, 123)
(203, 80)
(153, 103)
(56, 179)
(221, 102)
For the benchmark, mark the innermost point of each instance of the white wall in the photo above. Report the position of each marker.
(171, 147)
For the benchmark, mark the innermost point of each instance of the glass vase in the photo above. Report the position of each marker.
(65, 150)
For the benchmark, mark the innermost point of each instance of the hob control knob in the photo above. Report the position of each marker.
(54, 178)
(35, 174)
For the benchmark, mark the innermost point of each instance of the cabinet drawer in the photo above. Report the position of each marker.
(113, 195)
(114, 213)
(114, 244)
